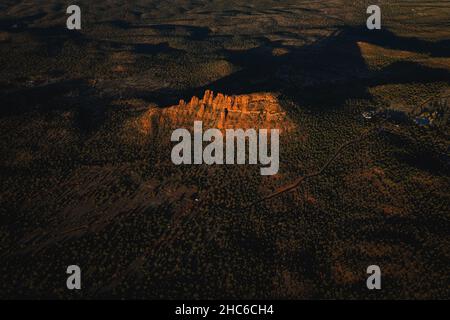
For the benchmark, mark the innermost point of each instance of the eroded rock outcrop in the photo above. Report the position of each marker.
(256, 110)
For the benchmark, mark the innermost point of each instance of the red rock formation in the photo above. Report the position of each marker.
(256, 110)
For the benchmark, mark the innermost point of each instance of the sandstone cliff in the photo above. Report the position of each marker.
(256, 110)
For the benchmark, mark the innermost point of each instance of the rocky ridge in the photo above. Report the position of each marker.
(256, 110)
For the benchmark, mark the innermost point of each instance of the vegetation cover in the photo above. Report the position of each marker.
(363, 178)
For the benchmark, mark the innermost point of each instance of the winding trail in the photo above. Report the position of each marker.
(297, 182)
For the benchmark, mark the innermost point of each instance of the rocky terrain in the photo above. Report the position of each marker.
(257, 110)
(87, 179)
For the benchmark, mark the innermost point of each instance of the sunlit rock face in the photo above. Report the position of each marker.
(256, 110)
